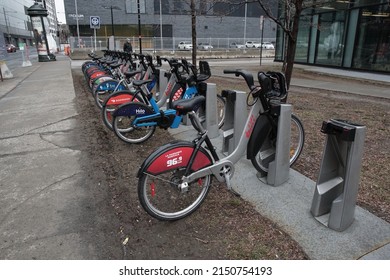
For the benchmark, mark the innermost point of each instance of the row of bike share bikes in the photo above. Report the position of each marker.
(175, 179)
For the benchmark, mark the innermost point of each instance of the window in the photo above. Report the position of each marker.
(303, 39)
(330, 45)
(372, 47)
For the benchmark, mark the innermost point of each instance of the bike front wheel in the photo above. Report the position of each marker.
(163, 198)
(266, 154)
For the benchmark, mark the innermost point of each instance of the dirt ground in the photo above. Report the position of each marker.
(225, 226)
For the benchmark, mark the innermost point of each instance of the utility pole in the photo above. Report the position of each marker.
(112, 22)
(7, 26)
(139, 27)
(77, 23)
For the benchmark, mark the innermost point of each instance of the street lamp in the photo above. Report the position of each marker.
(112, 17)
(246, 11)
(77, 24)
(38, 15)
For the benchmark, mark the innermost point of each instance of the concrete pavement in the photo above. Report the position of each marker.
(46, 205)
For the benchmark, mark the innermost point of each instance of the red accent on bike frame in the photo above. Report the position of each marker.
(178, 157)
(168, 89)
(120, 99)
(251, 125)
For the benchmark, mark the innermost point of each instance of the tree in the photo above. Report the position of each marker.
(193, 29)
(288, 21)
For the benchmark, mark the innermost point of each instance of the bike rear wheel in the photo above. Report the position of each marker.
(163, 199)
(267, 151)
(127, 132)
(221, 106)
(115, 100)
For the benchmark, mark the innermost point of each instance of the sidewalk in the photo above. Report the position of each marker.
(46, 212)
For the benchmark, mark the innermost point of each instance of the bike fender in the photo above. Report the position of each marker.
(132, 109)
(258, 136)
(120, 97)
(174, 155)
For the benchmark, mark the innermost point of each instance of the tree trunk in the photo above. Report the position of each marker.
(292, 43)
(193, 27)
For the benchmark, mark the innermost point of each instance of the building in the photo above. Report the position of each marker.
(169, 19)
(15, 24)
(352, 34)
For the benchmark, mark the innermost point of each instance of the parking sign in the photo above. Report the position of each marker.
(94, 22)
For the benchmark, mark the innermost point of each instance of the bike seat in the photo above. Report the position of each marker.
(132, 73)
(141, 82)
(184, 106)
(109, 63)
(115, 65)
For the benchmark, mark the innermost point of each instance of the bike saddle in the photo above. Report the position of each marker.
(184, 106)
(132, 73)
(141, 82)
(116, 65)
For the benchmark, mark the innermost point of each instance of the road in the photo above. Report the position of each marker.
(15, 60)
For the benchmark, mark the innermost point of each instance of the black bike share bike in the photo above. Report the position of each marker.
(175, 179)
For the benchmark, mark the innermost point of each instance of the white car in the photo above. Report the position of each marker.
(235, 45)
(204, 46)
(184, 45)
(268, 46)
(252, 44)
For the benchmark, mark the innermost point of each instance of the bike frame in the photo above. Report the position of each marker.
(142, 121)
(230, 160)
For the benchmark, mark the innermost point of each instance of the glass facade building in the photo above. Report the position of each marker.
(346, 34)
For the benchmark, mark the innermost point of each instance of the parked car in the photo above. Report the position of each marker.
(204, 46)
(10, 48)
(235, 45)
(268, 46)
(184, 45)
(252, 44)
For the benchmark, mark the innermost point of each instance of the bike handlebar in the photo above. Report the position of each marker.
(245, 74)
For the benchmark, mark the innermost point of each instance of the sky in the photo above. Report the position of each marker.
(60, 11)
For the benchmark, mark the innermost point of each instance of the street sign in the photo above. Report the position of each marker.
(94, 22)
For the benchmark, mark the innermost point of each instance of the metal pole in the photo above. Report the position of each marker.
(94, 34)
(139, 28)
(112, 23)
(161, 31)
(7, 25)
(77, 23)
(246, 10)
(262, 35)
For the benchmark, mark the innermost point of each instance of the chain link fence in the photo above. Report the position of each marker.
(158, 43)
